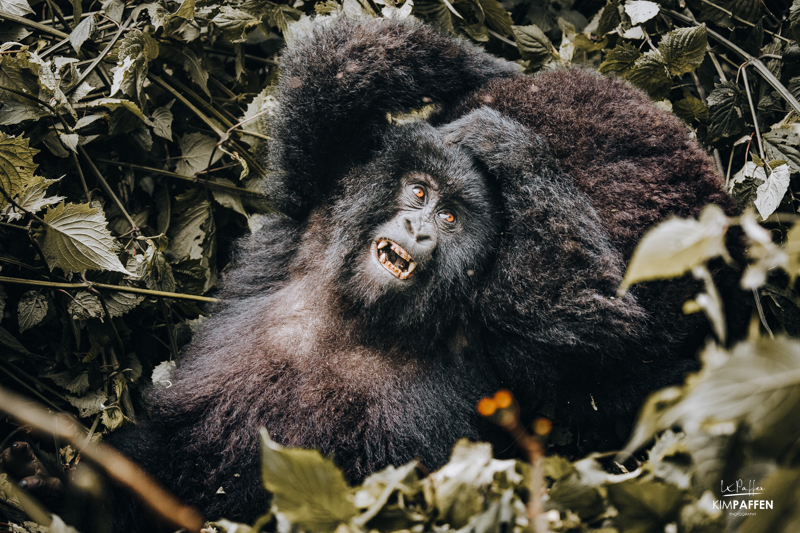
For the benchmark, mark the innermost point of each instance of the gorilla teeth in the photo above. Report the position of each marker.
(395, 259)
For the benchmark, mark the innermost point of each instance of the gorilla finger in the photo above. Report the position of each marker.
(19, 460)
(43, 487)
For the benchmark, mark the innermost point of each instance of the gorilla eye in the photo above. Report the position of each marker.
(419, 192)
(447, 217)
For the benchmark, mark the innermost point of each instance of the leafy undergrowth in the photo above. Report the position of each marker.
(131, 143)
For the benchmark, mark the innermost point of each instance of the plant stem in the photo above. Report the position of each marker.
(100, 57)
(89, 285)
(108, 189)
(753, 111)
(33, 25)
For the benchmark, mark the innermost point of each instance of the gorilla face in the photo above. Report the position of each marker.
(415, 228)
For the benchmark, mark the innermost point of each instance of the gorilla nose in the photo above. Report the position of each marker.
(422, 232)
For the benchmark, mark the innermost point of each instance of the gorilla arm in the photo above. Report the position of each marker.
(338, 83)
(550, 302)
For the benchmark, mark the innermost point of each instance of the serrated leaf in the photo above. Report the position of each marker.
(112, 418)
(70, 140)
(76, 239)
(620, 60)
(186, 11)
(119, 303)
(677, 245)
(228, 199)
(236, 24)
(34, 199)
(158, 274)
(770, 193)
(162, 122)
(783, 144)
(114, 103)
(649, 73)
(196, 149)
(16, 165)
(189, 226)
(76, 384)
(641, 11)
(683, 49)
(763, 253)
(13, 112)
(645, 506)
(85, 305)
(727, 104)
(83, 32)
(497, 18)
(31, 310)
(691, 108)
(609, 19)
(114, 9)
(194, 67)
(435, 12)
(533, 45)
(308, 489)
(89, 404)
(16, 7)
(136, 50)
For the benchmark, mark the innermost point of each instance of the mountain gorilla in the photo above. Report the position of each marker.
(426, 265)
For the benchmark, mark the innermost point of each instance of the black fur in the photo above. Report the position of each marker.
(551, 181)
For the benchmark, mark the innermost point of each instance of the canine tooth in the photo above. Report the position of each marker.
(383, 257)
(411, 268)
(382, 244)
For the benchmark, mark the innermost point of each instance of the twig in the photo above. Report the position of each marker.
(57, 11)
(33, 25)
(77, 164)
(118, 467)
(173, 342)
(100, 57)
(108, 189)
(89, 285)
(753, 111)
(30, 389)
(210, 184)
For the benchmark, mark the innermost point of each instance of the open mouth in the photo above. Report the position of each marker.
(394, 259)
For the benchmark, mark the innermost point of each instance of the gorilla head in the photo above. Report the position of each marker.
(410, 233)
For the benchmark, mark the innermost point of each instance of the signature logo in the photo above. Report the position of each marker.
(748, 491)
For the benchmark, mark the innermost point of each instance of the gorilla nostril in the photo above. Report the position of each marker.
(423, 238)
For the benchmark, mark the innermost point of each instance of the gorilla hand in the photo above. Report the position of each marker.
(21, 462)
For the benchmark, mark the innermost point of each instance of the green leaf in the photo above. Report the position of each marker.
(34, 198)
(784, 145)
(235, 24)
(609, 19)
(677, 245)
(16, 166)
(308, 489)
(31, 310)
(770, 193)
(16, 7)
(649, 73)
(645, 507)
(435, 12)
(85, 305)
(136, 50)
(8, 341)
(114, 9)
(186, 11)
(114, 103)
(194, 67)
(119, 303)
(691, 108)
(727, 104)
(83, 32)
(189, 226)
(74, 383)
(641, 11)
(683, 49)
(89, 404)
(497, 18)
(534, 46)
(13, 112)
(76, 239)
(620, 60)
(196, 149)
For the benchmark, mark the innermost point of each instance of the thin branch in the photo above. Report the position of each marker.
(118, 467)
(108, 189)
(210, 184)
(100, 57)
(753, 111)
(33, 25)
(89, 285)
(202, 116)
